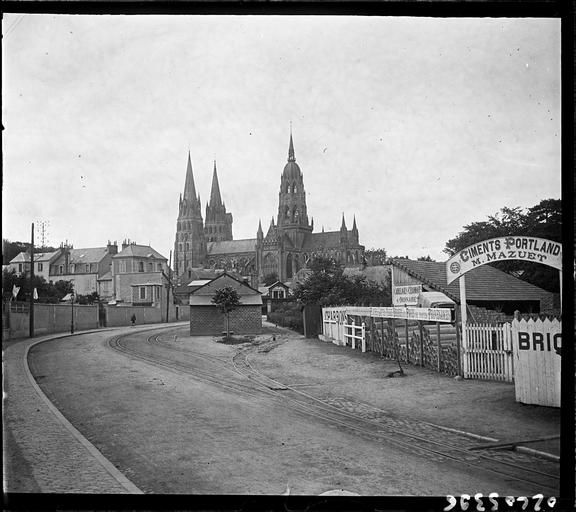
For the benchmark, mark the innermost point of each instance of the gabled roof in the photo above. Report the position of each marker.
(277, 284)
(483, 283)
(223, 280)
(231, 246)
(139, 251)
(202, 296)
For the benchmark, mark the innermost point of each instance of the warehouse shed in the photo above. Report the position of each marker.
(207, 319)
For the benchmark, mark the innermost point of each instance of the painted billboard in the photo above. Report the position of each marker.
(526, 248)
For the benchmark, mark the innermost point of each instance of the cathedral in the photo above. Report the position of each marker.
(288, 246)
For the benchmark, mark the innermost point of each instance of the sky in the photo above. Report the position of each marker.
(417, 126)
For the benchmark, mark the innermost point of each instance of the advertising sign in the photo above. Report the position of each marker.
(406, 295)
(524, 248)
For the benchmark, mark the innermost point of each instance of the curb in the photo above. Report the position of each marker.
(104, 462)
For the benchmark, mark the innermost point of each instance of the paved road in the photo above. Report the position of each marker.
(170, 431)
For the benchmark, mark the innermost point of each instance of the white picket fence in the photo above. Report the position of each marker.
(487, 352)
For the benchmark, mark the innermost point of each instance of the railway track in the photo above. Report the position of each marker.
(427, 440)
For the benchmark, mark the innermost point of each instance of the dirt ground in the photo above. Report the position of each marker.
(484, 408)
(170, 433)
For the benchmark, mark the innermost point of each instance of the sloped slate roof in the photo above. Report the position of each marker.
(482, 283)
(231, 246)
(106, 277)
(21, 257)
(139, 251)
(326, 240)
(88, 255)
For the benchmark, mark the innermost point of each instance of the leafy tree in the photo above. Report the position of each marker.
(375, 257)
(425, 258)
(47, 292)
(543, 220)
(91, 298)
(270, 278)
(328, 286)
(227, 300)
(11, 249)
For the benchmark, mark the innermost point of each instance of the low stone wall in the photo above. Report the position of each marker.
(51, 318)
(117, 316)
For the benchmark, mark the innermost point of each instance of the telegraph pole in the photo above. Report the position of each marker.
(168, 283)
(32, 283)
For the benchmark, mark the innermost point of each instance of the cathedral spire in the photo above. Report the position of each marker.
(354, 228)
(215, 198)
(189, 188)
(291, 157)
(343, 226)
(260, 233)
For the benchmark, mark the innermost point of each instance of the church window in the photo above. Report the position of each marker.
(187, 246)
(180, 247)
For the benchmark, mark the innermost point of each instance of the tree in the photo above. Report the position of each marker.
(227, 300)
(425, 258)
(375, 257)
(543, 220)
(328, 286)
(47, 292)
(11, 249)
(270, 278)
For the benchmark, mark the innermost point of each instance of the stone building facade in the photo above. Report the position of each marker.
(287, 247)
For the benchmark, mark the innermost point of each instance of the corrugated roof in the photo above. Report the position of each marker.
(482, 283)
(231, 246)
(139, 251)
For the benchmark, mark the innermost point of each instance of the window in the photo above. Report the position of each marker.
(72, 268)
(142, 293)
(157, 293)
(122, 266)
(61, 269)
(40, 267)
(20, 267)
(92, 267)
(87, 268)
(140, 266)
(150, 267)
(159, 267)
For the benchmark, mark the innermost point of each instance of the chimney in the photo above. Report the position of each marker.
(112, 247)
(125, 243)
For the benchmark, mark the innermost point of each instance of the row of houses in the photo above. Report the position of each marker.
(137, 274)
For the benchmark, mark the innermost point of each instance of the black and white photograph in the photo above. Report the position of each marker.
(282, 255)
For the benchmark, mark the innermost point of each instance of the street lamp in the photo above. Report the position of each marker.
(72, 314)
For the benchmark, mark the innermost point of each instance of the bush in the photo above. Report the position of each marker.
(287, 315)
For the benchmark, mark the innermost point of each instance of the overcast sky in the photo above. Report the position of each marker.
(418, 126)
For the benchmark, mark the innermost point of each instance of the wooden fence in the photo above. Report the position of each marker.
(487, 352)
(537, 359)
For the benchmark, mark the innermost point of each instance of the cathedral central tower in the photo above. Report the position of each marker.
(292, 212)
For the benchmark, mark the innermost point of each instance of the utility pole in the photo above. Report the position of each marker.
(168, 282)
(32, 283)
